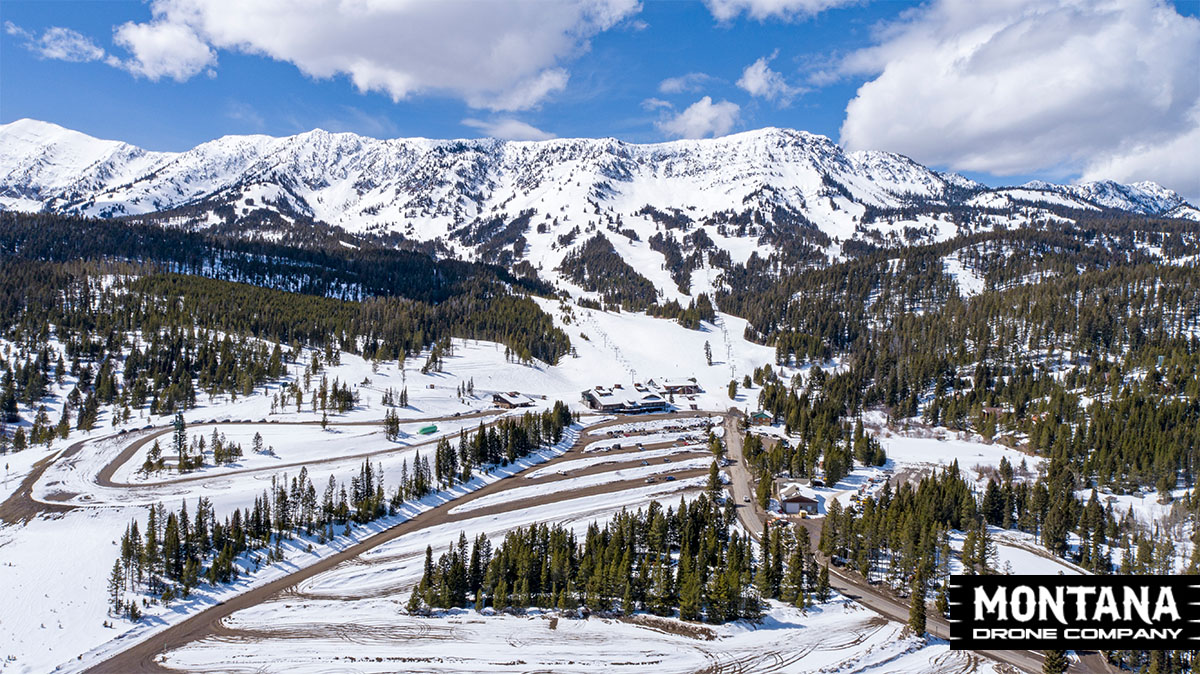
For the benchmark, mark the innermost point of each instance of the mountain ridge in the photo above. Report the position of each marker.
(751, 193)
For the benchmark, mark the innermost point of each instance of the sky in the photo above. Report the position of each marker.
(1003, 91)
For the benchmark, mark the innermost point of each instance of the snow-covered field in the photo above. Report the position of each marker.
(56, 603)
(351, 618)
(1016, 553)
(55, 608)
(581, 482)
(601, 459)
(375, 637)
(289, 444)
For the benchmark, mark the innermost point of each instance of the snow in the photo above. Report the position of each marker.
(426, 189)
(44, 589)
(1016, 553)
(1144, 504)
(351, 618)
(836, 637)
(589, 462)
(644, 439)
(581, 482)
(969, 282)
(293, 443)
(66, 594)
(939, 447)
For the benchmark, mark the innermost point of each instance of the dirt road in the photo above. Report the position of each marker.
(141, 657)
(20, 507)
(854, 586)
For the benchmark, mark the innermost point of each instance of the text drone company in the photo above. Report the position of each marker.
(1050, 612)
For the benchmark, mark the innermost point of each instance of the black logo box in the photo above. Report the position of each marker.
(1079, 612)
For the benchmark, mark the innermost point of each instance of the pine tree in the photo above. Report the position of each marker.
(689, 592)
(714, 481)
(916, 606)
(823, 584)
(762, 492)
(1054, 661)
(116, 582)
(180, 437)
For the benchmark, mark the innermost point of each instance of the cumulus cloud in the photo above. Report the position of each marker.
(727, 10)
(702, 118)
(62, 44)
(760, 81)
(1171, 163)
(497, 55)
(1098, 88)
(163, 49)
(509, 129)
(684, 83)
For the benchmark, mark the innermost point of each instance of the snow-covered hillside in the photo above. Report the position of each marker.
(534, 201)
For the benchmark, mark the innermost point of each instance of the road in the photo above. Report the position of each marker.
(141, 657)
(20, 506)
(854, 586)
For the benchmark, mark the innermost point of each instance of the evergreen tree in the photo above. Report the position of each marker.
(116, 582)
(1054, 661)
(916, 606)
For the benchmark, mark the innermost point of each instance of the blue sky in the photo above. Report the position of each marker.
(1049, 89)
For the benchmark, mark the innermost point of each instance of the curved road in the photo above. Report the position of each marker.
(141, 657)
(21, 506)
(856, 588)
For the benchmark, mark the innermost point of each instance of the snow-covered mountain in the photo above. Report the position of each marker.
(535, 200)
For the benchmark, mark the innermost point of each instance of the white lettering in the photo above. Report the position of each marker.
(1166, 604)
(994, 605)
(1081, 593)
(1024, 604)
(1106, 603)
(1139, 602)
(1052, 603)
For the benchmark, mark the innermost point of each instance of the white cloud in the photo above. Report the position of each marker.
(509, 130)
(163, 49)
(246, 114)
(655, 104)
(524, 94)
(497, 55)
(1029, 85)
(688, 82)
(702, 118)
(727, 10)
(759, 80)
(62, 44)
(1171, 163)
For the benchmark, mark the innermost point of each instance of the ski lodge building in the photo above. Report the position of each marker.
(511, 400)
(619, 399)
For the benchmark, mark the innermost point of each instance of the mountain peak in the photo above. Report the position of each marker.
(430, 189)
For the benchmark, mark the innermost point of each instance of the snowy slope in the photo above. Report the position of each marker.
(468, 193)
